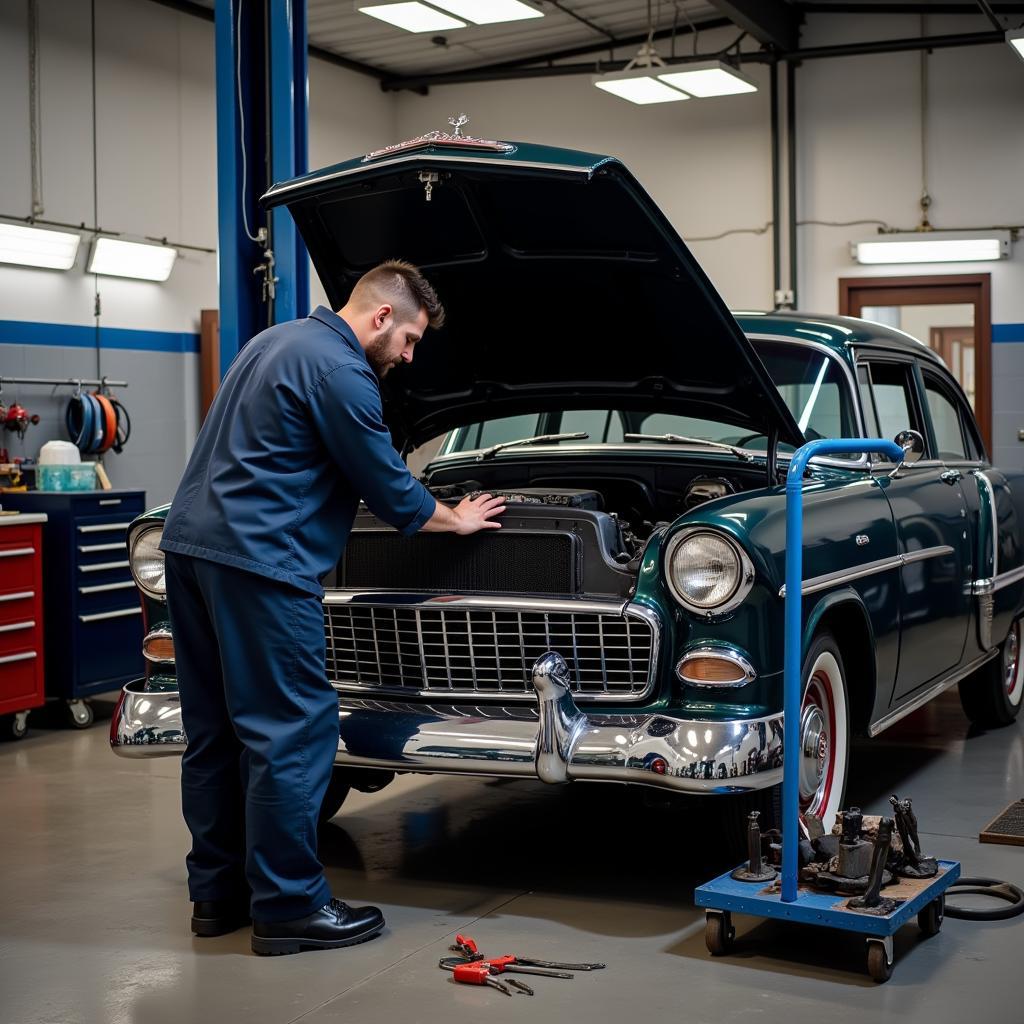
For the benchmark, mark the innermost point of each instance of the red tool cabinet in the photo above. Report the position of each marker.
(21, 619)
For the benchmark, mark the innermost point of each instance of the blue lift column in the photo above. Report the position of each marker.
(261, 138)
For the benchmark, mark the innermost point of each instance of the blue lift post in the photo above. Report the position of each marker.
(262, 92)
(725, 894)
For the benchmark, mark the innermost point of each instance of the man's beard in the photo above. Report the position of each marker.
(377, 353)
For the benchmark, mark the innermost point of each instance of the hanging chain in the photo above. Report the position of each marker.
(34, 116)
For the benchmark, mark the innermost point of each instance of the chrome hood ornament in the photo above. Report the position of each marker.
(451, 140)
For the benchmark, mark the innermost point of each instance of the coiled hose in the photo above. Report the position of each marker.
(993, 887)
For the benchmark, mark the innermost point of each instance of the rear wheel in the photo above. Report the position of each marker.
(991, 697)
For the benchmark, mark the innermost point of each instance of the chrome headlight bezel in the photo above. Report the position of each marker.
(744, 573)
(151, 532)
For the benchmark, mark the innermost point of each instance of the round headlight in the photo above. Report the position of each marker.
(147, 561)
(707, 572)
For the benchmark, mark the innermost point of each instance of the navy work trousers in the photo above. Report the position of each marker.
(262, 726)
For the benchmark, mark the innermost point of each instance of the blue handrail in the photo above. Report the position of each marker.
(792, 634)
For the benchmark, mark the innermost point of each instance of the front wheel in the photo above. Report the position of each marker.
(337, 790)
(991, 697)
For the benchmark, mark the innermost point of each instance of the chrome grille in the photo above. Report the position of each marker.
(466, 648)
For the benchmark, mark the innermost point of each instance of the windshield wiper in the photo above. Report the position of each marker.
(680, 439)
(542, 439)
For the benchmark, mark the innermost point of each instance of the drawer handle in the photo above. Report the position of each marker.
(87, 549)
(103, 527)
(100, 566)
(22, 595)
(110, 501)
(103, 587)
(17, 625)
(12, 552)
(120, 613)
(24, 656)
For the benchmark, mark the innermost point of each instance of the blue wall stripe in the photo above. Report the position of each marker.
(1007, 332)
(25, 332)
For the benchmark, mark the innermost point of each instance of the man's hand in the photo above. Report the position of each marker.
(469, 516)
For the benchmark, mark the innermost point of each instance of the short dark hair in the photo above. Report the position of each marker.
(403, 284)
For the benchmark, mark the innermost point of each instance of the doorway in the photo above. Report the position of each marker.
(949, 313)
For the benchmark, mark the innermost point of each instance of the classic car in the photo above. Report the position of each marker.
(625, 624)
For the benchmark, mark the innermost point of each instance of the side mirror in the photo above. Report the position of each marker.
(912, 444)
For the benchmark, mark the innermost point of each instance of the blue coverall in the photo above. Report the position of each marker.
(292, 442)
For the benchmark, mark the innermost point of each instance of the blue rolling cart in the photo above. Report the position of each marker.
(725, 895)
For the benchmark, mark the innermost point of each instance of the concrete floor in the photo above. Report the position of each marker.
(94, 918)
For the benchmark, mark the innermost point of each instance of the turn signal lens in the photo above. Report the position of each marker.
(707, 668)
(158, 645)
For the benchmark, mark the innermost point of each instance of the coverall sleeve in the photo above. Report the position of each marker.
(346, 409)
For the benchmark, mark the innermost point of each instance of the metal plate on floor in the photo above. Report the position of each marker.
(1007, 828)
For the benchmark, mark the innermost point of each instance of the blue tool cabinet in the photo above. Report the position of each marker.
(91, 605)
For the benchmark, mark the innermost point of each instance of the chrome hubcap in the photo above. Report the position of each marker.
(814, 750)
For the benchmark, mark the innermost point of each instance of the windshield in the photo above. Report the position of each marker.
(810, 382)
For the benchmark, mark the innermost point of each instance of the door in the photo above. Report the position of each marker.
(930, 513)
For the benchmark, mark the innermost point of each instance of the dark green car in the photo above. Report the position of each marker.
(625, 624)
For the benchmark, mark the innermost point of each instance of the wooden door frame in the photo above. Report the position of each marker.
(939, 289)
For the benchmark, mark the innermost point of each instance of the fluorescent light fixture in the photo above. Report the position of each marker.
(933, 247)
(489, 12)
(413, 17)
(1015, 37)
(709, 78)
(36, 247)
(638, 86)
(118, 258)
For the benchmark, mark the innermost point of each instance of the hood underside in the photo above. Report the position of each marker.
(564, 287)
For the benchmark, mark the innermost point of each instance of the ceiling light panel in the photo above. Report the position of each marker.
(117, 258)
(413, 17)
(705, 80)
(489, 12)
(933, 247)
(36, 247)
(642, 89)
(1016, 39)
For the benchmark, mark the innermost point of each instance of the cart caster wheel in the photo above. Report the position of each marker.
(719, 934)
(930, 918)
(80, 714)
(14, 727)
(880, 960)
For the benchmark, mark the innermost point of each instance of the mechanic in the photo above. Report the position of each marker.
(294, 438)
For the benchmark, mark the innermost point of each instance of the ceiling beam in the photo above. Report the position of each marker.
(773, 23)
(905, 8)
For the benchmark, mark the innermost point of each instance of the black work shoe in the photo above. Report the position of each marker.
(331, 927)
(218, 917)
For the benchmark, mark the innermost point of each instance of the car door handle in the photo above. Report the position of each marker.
(950, 476)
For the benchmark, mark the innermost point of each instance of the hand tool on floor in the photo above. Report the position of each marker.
(471, 951)
(467, 947)
(473, 972)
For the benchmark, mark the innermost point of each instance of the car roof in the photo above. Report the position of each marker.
(839, 333)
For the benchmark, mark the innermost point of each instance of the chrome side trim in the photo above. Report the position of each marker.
(723, 654)
(832, 579)
(932, 691)
(1004, 579)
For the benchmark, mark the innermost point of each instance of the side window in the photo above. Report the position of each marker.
(892, 387)
(867, 402)
(949, 431)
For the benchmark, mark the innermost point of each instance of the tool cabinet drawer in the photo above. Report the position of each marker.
(20, 683)
(19, 635)
(17, 563)
(101, 503)
(19, 605)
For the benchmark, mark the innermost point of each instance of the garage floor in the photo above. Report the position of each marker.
(94, 919)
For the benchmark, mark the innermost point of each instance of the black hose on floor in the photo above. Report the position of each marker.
(992, 887)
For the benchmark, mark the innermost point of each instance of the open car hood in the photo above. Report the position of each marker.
(564, 286)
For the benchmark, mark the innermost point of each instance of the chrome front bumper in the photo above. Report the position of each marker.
(556, 742)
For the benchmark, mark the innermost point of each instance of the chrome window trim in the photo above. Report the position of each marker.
(994, 583)
(724, 654)
(831, 579)
(743, 586)
(391, 599)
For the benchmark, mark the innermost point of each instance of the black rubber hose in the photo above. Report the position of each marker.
(992, 887)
